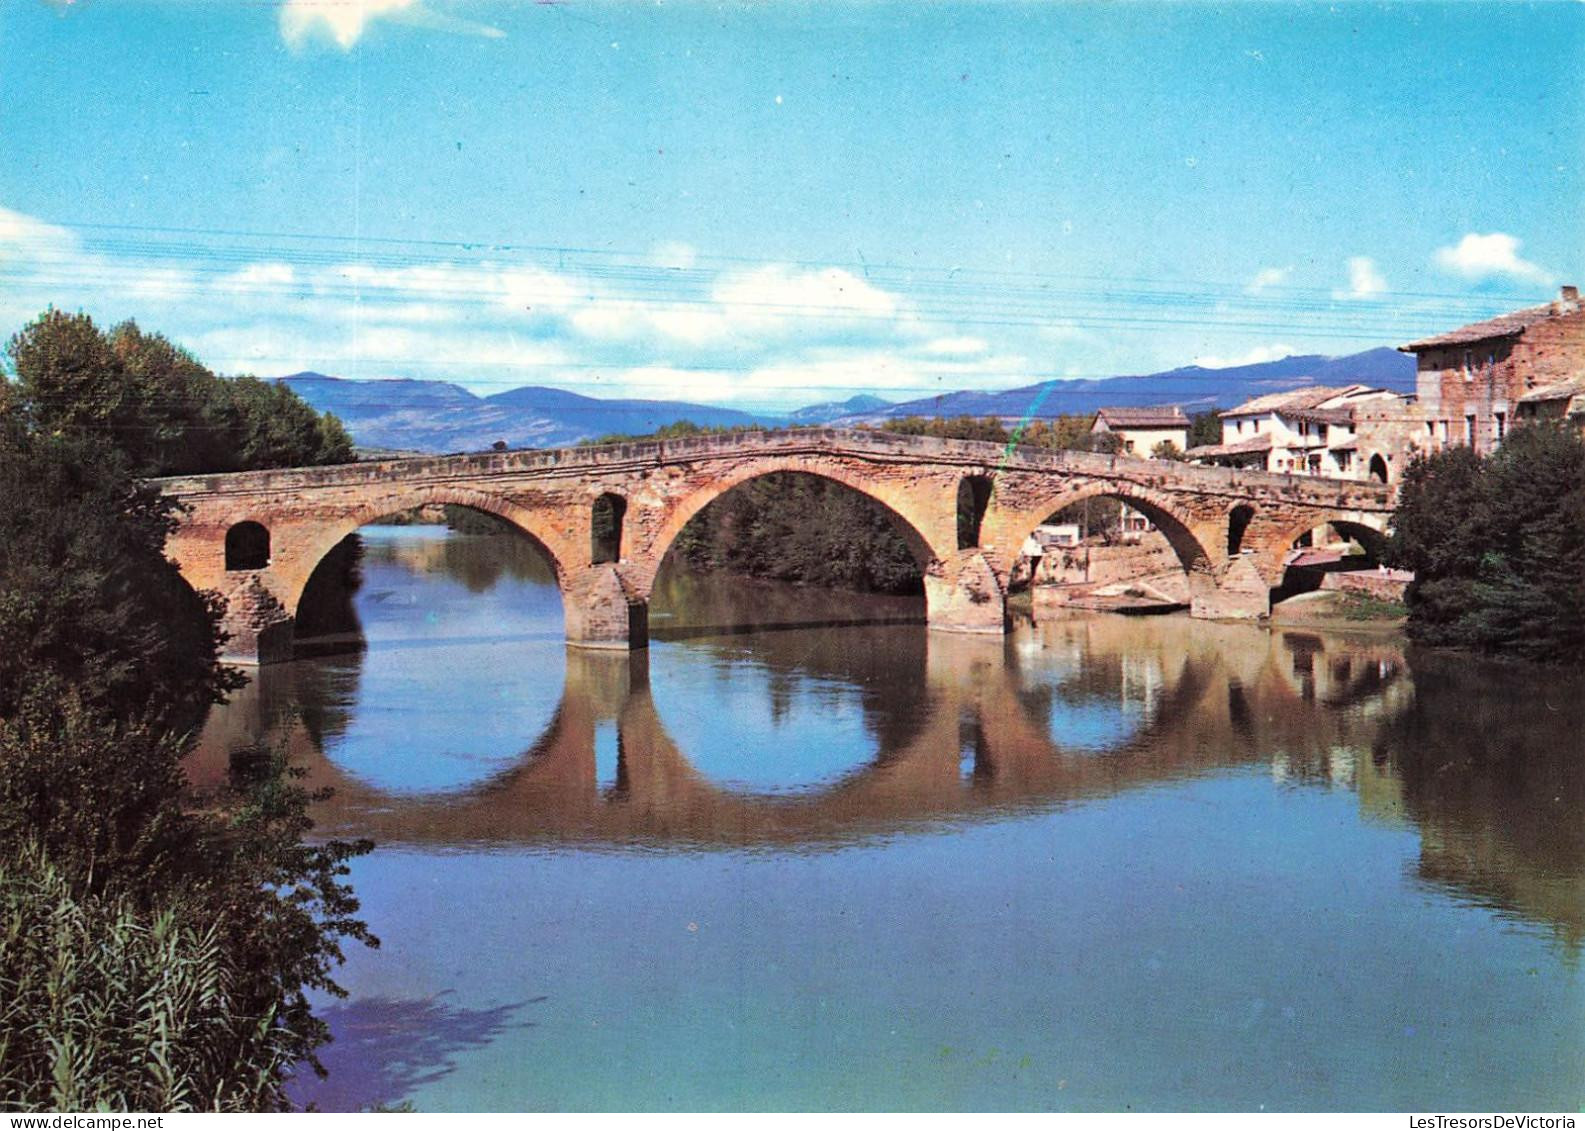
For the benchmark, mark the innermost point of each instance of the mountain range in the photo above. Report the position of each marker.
(1192, 387)
(438, 416)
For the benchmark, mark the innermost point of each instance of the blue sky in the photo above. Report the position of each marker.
(779, 203)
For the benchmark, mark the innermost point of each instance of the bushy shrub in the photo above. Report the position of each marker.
(1497, 546)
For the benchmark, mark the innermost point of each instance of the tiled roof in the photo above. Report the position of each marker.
(1157, 416)
(1502, 326)
(1323, 415)
(1292, 401)
(1561, 391)
(1260, 443)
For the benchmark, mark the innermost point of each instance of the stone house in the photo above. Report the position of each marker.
(1563, 401)
(1339, 432)
(1140, 430)
(1475, 382)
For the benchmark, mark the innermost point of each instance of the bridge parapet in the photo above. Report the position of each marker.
(870, 444)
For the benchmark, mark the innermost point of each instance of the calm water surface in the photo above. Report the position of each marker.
(1106, 863)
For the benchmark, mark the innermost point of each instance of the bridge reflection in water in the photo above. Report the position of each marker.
(964, 729)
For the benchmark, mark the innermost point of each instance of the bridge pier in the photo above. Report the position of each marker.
(963, 594)
(603, 612)
(258, 628)
(1241, 593)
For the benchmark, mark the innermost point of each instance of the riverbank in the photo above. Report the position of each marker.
(1341, 610)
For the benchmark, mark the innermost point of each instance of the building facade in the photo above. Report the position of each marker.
(1337, 432)
(1474, 383)
(1140, 431)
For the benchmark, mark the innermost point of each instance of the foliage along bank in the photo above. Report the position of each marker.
(1497, 546)
(157, 950)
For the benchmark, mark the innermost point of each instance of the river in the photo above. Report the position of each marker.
(1105, 863)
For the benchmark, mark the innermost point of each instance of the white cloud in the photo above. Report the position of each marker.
(1274, 352)
(22, 237)
(1268, 277)
(773, 290)
(1364, 280)
(372, 349)
(260, 276)
(343, 22)
(773, 335)
(1495, 255)
(763, 304)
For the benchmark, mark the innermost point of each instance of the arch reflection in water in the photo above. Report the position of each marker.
(463, 663)
(1260, 805)
(459, 728)
(917, 700)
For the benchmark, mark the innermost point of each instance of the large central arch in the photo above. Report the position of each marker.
(685, 509)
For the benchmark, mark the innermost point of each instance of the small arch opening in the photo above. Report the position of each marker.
(605, 529)
(1378, 468)
(247, 546)
(974, 496)
(1336, 546)
(1238, 522)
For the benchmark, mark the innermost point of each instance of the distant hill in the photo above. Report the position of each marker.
(1193, 387)
(592, 417)
(831, 410)
(437, 416)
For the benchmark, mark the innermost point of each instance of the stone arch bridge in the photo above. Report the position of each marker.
(606, 516)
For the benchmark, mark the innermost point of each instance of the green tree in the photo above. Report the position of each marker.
(1205, 428)
(132, 894)
(155, 405)
(1530, 597)
(107, 1004)
(1497, 546)
(988, 428)
(1069, 432)
(88, 600)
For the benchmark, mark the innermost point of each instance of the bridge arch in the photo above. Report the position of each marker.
(685, 509)
(325, 537)
(1180, 529)
(1372, 538)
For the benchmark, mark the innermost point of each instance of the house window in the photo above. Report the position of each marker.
(1469, 365)
(1469, 431)
(1500, 420)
